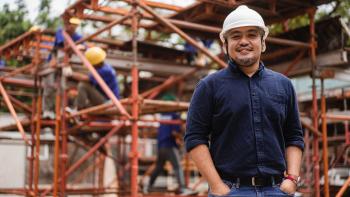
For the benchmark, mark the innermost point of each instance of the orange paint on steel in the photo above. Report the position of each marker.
(94, 73)
(57, 143)
(311, 128)
(13, 113)
(162, 5)
(16, 71)
(343, 188)
(20, 104)
(324, 141)
(86, 156)
(85, 172)
(295, 61)
(183, 35)
(281, 41)
(14, 42)
(37, 146)
(314, 103)
(37, 113)
(107, 27)
(135, 108)
(168, 83)
(64, 152)
(31, 156)
(337, 117)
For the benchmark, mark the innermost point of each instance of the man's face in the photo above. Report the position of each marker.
(70, 28)
(244, 45)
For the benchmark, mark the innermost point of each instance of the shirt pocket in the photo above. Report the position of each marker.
(275, 106)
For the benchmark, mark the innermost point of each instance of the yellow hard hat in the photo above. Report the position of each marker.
(75, 21)
(35, 28)
(95, 55)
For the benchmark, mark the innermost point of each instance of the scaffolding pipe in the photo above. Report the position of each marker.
(16, 71)
(168, 83)
(15, 41)
(14, 114)
(311, 13)
(182, 34)
(343, 188)
(135, 106)
(31, 156)
(37, 146)
(324, 140)
(38, 98)
(74, 166)
(57, 140)
(20, 104)
(98, 78)
(64, 144)
(337, 117)
(107, 27)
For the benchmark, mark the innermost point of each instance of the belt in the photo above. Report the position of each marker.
(258, 181)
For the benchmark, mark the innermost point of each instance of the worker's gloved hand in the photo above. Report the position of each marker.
(81, 47)
(67, 71)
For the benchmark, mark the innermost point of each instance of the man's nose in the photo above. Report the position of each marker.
(244, 40)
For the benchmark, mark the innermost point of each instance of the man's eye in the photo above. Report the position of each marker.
(253, 35)
(235, 37)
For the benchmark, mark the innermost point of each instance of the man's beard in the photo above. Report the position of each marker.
(246, 62)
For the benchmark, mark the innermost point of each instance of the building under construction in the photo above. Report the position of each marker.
(146, 45)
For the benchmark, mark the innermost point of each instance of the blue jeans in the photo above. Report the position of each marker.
(251, 191)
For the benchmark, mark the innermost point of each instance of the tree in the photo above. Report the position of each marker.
(13, 22)
(337, 8)
(43, 17)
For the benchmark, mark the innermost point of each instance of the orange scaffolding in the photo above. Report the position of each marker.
(128, 110)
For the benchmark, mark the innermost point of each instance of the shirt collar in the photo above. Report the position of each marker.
(235, 69)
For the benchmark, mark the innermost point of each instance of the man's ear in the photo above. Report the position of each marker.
(263, 46)
(224, 47)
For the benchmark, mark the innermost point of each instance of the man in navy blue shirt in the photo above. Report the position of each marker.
(243, 129)
(168, 150)
(89, 91)
(56, 57)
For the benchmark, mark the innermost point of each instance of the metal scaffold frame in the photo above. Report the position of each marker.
(129, 109)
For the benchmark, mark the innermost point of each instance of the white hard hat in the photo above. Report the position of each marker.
(243, 16)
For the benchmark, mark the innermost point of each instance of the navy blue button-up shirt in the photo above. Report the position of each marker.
(165, 131)
(247, 122)
(109, 75)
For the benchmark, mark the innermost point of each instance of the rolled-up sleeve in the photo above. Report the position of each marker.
(293, 133)
(199, 117)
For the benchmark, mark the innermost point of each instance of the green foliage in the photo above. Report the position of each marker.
(13, 22)
(43, 18)
(338, 8)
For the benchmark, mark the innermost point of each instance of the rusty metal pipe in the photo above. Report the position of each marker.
(324, 140)
(98, 78)
(17, 71)
(37, 146)
(166, 84)
(87, 155)
(314, 103)
(107, 27)
(57, 141)
(182, 34)
(20, 104)
(343, 188)
(14, 114)
(135, 107)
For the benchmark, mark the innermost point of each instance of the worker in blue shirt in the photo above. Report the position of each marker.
(243, 130)
(54, 58)
(89, 91)
(2, 63)
(168, 150)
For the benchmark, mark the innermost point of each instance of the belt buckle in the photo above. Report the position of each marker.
(253, 181)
